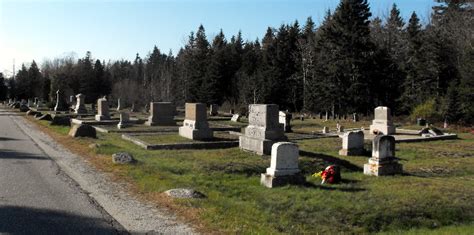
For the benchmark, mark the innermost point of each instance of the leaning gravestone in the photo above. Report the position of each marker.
(195, 124)
(60, 121)
(161, 114)
(102, 110)
(283, 166)
(352, 143)
(263, 129)
(80, 105)
(284, 118)
(382, 122)
(83, 130)
(60, 104)
(383, 161)
(235, 118)
(45, 117)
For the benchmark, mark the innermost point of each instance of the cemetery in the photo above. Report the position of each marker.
(260, 166)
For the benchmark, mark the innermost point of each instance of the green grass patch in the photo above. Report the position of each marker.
(436, 195)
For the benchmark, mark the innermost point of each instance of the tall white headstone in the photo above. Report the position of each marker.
(382, 122)
(352, 143)
(102, 110)
(283, 166)
(383, 161)
(195, 124)
(80, 105)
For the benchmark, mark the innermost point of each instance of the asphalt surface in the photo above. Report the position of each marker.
(36, 197)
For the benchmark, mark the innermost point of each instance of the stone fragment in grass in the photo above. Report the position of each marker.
(122, 158)
(184, 193)
(83, 130)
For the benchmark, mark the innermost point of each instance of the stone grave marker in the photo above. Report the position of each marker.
(283, 166)
(80, 105)
(124, 120)
(382, 121)
(102, 110)
(352, 143)
(325, 130)
(161, 114)
(263, 130)
(119, 104)
(195, 124)
(83, 130)
(383, 161)
(284, 118)
(214, 109)
(235, 118)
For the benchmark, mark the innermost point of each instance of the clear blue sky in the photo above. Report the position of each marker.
(120, 29)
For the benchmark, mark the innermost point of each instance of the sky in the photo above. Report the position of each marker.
(118, 29)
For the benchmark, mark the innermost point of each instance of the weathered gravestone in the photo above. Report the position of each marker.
(214, 109)
(60, 121)
(60, 104)
(161, 114)
(325, 130)
(352, 143)
(382, 122)
(124, 120)
(235, 118)
(383, 161)
(283, 166)
(80, 105)
(102, 110)
(195, 124)
(284, 118)
(83, 130)
(263, 129)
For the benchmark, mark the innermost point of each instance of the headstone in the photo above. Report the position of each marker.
(355, 118)
(383, 161)
(60, 121)
(122, 158)
(235, 118)
(340, 128)
(263, 129)
(72, 100)
(284, 118)
(420, 122)
(83, 130)
(124, 120)
(147, 108)
(162, 114)
(352, 143)
(119, 104)
(325, 130)
(102, 110)
(283, 166)
(133, 109)
(214, 109)
(382, 122)
(445, 124)
(45, 117)
(80, 105)
(30, 103)
(195, 124)
(232, 111)
(326, 117)
(24, 108)
(35, 101)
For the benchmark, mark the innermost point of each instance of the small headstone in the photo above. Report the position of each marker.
(420, 122)
(283, 166)
(124, 120)
(383, 161)
(102, 110)
(195, 124)
(161, 114)
(352, 143)
(382, 121)
(24, 108)
(325, 130)
(355, 118)
(122, 158)
(326, 117)
(147, 108)
(340, 128)
(80, 105)
(284, 118)
(214, 110)
(83, 130)
(133, 109)
(184, 193)
(232, 111)
(235, 118)
(60, 121)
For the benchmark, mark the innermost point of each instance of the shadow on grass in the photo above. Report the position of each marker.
(330, 188)
(333, 160)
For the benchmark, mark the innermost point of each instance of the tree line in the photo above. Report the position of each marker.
(352, 62)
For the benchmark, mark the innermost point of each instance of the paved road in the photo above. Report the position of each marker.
(36, 197)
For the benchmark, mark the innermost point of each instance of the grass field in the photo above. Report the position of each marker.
(435, 195)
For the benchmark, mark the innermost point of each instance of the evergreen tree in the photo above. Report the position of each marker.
(3, 88)
(23, 85)
(217, 78)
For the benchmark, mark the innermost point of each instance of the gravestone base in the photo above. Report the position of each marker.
(122, 125)
(101, 118)
(271, 181)
(385, 129)
(256, 145)
(380, 168)
(163, 121)
(351, 152)
(196, 134)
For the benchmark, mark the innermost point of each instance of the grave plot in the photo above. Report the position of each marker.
(172, 140)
